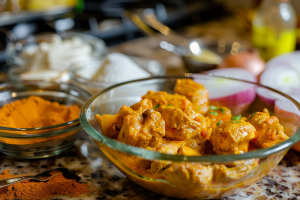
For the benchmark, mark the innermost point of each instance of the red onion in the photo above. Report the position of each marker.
(250, 61)
(237, 96)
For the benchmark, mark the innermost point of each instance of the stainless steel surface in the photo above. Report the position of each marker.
(21, 16)
(41, 177)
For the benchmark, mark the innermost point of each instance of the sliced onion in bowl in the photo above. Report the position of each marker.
(236, 97)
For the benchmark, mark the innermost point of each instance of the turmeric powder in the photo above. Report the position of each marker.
(36, 112)
(58, 185)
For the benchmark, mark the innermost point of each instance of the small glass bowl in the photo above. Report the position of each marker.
(18, 64)
(41, 142)
(80, 73)
(179, 185)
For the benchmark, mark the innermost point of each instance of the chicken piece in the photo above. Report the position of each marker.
(225, 174)
(161, 100)
(195, 92)
(232, 137)
(188, 173)
(204, 120)
(269, 131)
(186, 151)
(167, 147)
(106, 123)
(142, 129)
(218, 115)
(142, 105)
(179, 126)
(258, 118)
(199, 144)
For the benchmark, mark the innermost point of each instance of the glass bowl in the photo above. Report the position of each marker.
(44, 141)
(181, 183)
(81, 73)
(20, 64)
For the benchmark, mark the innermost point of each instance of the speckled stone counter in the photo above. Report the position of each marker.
(86, 159)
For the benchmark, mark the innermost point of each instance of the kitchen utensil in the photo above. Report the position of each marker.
(197, 54)
(41, 177)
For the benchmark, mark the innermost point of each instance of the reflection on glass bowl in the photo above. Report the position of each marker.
(125, 157)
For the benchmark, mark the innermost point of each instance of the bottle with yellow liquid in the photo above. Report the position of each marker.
(274, 28)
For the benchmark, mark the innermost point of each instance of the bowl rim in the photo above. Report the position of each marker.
(55, 129)
(151, 155)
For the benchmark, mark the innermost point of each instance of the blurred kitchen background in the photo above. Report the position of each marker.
(107, 20)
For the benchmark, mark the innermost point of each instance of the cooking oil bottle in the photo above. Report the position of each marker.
(274, 28)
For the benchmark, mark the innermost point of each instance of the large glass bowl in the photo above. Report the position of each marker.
(41, 142)
(124, 156)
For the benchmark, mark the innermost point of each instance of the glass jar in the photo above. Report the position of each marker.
(274, 28)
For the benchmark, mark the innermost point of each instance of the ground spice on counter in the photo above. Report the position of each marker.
(34, 111)
(29, 190)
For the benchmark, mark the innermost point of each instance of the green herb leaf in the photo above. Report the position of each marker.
(213, 113)
(251, 115)
(213, 108)
(237, 117)
(236, 122)
(219, 122)
(157, 106)
(168, 105)
(222, 110)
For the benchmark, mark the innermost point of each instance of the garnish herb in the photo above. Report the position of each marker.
(237, 117)
(251, 115)
(219, 122)
(157, 106)
(216, 108)
(213, 113)
(222, 110)
(236, 122)
(168, 105)
(213, 108)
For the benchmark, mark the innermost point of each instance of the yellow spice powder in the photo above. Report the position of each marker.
(34, 111)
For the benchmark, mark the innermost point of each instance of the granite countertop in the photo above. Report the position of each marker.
(86, 159)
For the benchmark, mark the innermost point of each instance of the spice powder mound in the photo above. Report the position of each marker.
(29, 190)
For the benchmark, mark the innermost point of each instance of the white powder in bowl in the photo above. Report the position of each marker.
(118, 67)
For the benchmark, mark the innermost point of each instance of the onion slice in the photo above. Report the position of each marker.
(287, 113)
(280, 76)
(237, 96)
(288, 59)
